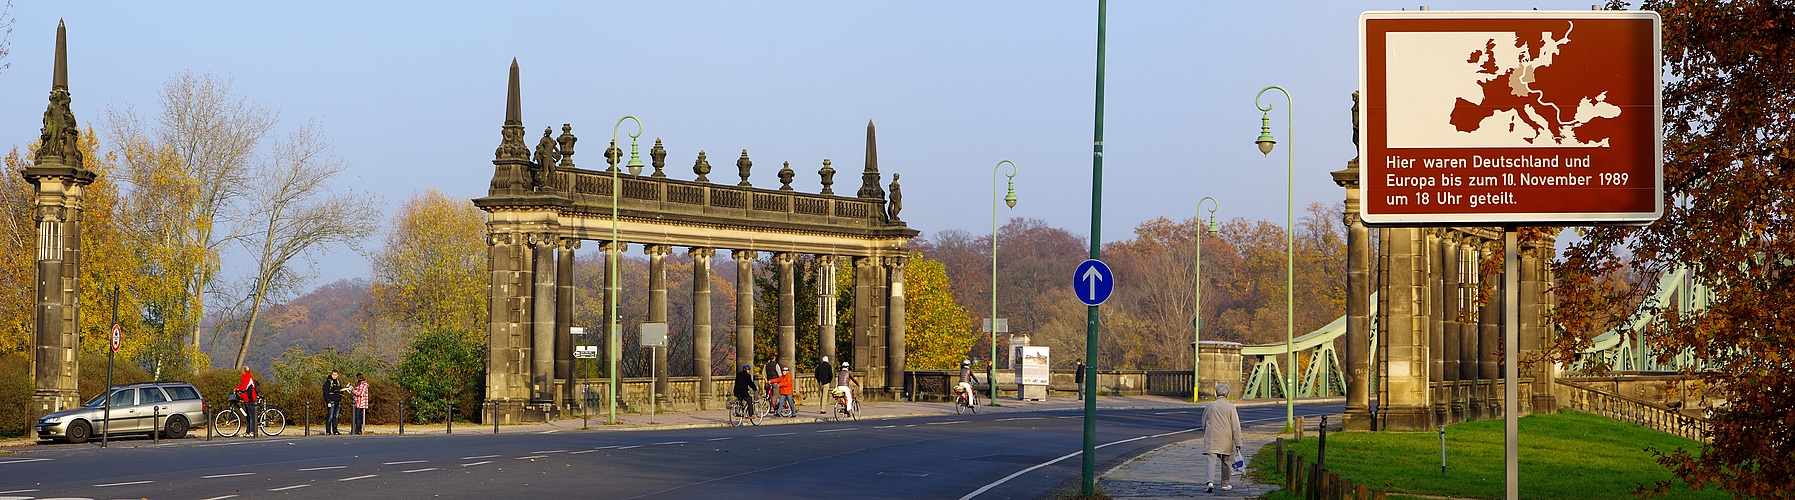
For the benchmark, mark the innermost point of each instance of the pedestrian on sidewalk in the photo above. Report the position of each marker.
(825, 374)
(1221, 436)
(333, 402)
(1078, 378)
(360, 393)
(251, 396)
(786, 389)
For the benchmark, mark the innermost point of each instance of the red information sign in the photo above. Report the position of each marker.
(115, 331)
(1510, 117)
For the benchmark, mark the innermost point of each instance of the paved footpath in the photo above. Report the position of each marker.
(1177, 470)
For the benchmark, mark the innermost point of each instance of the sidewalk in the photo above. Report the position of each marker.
(1177, 470)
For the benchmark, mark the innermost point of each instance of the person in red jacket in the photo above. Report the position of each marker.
(786, 389)
(246, 390)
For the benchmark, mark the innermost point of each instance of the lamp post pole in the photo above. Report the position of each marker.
(1196, 306)
(1008, 199)
(615, 254)
(1266, 142)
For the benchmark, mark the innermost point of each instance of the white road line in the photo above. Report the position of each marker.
(582, 452)
(885, 427)
(531, 457)
(325, 468)
(476, 463)
(779, 434)
(909, 425)
(720, 439)
(215, 476)
(608, 447)
(551, 431)
(364, 476)
(285, 488)
(1169, 412)
(1019, 473)
(546, 452)
(122, 484)
(23, 460)
(836, 430)
(948, 422)
(213, 498)
(418, 470)
(670, 443)
(1018, 418)
(15, 491)
(628, 447)
(406, 462)
(478, 457)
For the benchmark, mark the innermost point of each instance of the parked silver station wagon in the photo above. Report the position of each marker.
(143, 408)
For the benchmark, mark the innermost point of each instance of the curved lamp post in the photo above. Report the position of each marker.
(1010, 200)
(1266, 142)
(611, 312)
(1196, 316)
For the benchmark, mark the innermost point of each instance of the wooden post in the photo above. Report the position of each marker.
(1363, 492)
(1280, 455)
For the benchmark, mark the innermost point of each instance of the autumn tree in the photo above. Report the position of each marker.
(938, 332)
(1729, 151)
(430, 272)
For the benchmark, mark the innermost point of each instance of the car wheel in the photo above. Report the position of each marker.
(175, 428)
(78, 432)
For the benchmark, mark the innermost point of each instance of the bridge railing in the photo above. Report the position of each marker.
(1636, 411)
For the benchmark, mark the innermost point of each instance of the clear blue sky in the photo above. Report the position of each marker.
(412, 94)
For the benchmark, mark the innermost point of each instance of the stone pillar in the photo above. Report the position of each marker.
(744, 309)
(825, 286)
(1358, 290)
(1468, 329)
(542, 319)
(1490, 336)
(657, 313)
(701, 324)
(1407, 333)
(788, 310)
(508, 360)
(613, 298)
(1432, 310)
(894, 329)
(57, 176)
(1450, 340)
(1535, 330)
(869, 332)
(564, 321)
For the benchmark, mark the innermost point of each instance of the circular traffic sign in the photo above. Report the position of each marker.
(115, 333)
(1092, 282)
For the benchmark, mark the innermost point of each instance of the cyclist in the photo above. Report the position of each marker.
(967, 378)
(744, 386)
(246, 390)
(844, 379)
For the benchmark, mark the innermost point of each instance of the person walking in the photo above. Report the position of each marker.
(786, 389)
(825, 375)
(744, 387)
(333, 402)
(1221, 436)
(360, 392)
(246, 389)
(1078, 378)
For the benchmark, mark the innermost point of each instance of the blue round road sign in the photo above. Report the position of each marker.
(1093, 282)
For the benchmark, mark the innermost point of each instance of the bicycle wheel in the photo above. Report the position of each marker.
(735, 414)
(974, 405)
(273, 421)
(228, 423)
(854, 410)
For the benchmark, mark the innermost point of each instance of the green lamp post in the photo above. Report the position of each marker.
(1196, 316)
(1010, 200)
(1266, 142)
(612, 315)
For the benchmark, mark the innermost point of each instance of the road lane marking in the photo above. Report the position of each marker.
(547, 452)
(552, 431)
(478, 457)
(948, 422)
(406, 462)
(15, 491)
(121, 484)
(629, 447)
(1169, 412)
(582, 452)
(885, 427)
(531, 457)
(364, 476)
(670, 443)
(215, 476)
(1019, 418)
(1019, 473)
(779, 434)
(213, 498)
(605, 447)
(285, 488)
(419, 470)
(325, 468)
(720, 439)
(23, 460)
(836, 430)
(476, 463)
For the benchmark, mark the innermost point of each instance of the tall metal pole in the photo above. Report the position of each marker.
(991, 369)
(1088, 474)
(616, 330)
(1196, 306)
(1289, 253)
(106, 432)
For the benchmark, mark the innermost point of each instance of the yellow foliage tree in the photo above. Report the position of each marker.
(431, 272)
(938, 332)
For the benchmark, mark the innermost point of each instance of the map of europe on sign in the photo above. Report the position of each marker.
(1510, 117)
(1486, 90)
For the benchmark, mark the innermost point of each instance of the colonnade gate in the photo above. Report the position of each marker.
(541, 207)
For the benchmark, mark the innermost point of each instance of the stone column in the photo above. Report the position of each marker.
(1535, 330)
(508, 360)
(701, 324)
(744, 309)
(869, 332)
(825, 286)
(1449, 295)
(788, 310)
(1358, 290)
(1490, 335)
(542, 318)
(1433, 310)
(613, 296)
(894, 329)
(1408, 332)
(564, 320)
(657, 313)
(57, 177)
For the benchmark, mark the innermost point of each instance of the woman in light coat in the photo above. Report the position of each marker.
(1221, 436)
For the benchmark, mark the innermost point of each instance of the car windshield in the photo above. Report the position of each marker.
(97, 401)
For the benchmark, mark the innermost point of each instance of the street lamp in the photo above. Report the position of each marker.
(1196, 317)
(1010, 200)
(611, 313)
(1266, 141)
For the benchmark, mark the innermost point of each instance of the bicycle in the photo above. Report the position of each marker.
(229, 421)
(845, 407)
(738, 414)
(964, 400)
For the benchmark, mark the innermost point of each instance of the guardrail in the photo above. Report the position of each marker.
(1636, 411)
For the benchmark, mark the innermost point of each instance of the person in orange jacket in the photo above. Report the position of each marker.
(246, 389)
(786, 389)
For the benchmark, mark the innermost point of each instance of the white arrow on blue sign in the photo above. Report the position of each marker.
(1093, 282)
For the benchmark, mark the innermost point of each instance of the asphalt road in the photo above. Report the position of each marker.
(1009, 455)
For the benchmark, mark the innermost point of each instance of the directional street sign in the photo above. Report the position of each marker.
(1093, 282)
(585, 352)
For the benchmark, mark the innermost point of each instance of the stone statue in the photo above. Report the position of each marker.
(1355, 118)
(897, 199)
(545, 158)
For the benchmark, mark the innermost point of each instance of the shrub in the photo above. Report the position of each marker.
(16, 385)
(441, 365)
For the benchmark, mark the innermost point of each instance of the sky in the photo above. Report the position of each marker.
(412, 94)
